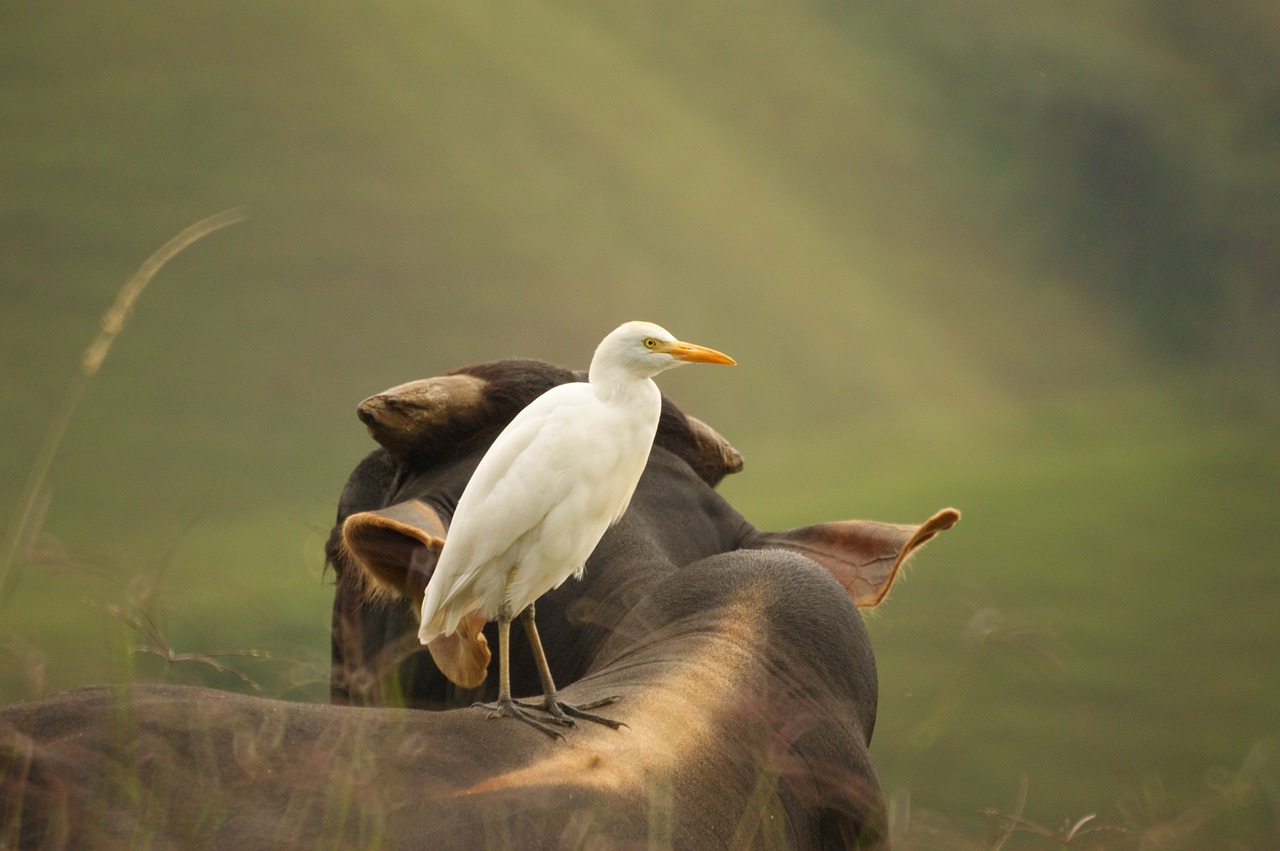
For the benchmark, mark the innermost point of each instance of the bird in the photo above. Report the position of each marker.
(551, 484)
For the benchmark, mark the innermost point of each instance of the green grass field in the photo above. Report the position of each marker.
(1022, 264)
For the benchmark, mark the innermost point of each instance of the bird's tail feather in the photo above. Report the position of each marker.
(462, 655)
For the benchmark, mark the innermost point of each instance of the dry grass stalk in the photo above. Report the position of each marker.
(157, 645)
(28, 516)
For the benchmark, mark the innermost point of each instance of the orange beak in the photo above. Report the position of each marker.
(697, 354)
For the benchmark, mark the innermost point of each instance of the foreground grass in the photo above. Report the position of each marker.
(226, 585)
(1048, 660)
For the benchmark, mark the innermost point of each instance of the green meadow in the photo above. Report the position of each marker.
(1020, 260)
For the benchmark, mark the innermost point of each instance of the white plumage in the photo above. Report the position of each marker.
(549, 487)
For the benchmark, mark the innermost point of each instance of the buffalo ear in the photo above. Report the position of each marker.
(395, 549)
(863, 555)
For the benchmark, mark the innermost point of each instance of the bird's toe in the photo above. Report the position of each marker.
(564, 713)
(509, 709)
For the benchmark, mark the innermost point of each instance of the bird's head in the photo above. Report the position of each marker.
(643, 349)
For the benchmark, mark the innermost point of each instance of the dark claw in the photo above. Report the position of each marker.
(564, 713)
(604, 701)
(560, 718)
(508, 709)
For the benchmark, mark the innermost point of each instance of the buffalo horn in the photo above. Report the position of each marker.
(399, 418)
(718, 452)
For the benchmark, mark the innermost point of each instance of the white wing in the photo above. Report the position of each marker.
(544, 493)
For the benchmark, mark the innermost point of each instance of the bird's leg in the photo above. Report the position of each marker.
(505, 706)
(561, 712)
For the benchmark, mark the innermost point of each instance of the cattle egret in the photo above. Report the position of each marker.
(559, 475)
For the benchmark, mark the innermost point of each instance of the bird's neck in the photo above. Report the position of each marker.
(616, 385)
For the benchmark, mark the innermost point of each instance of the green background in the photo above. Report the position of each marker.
(1016, 258)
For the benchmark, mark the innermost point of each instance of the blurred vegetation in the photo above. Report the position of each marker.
(1019, 260)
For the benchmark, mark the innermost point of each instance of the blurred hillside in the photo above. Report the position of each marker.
(1019, 260)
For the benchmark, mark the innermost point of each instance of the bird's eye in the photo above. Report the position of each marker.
(650, 343)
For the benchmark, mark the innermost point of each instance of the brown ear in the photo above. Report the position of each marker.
(863, 555)
(395, 549)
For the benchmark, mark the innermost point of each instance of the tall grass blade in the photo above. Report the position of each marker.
(24, 526)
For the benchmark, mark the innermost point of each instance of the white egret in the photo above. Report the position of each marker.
(549, 487)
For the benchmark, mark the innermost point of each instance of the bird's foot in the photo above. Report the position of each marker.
(509, 709)
(564, 713)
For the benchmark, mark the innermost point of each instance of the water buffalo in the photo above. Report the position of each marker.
(745, 677)
(701, 621)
